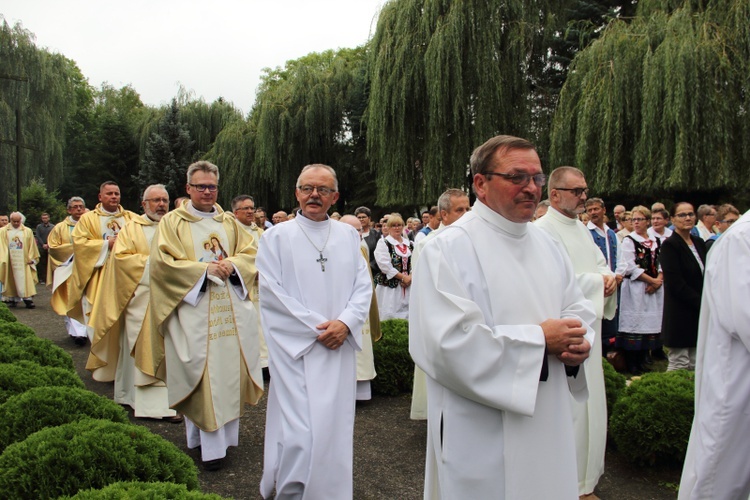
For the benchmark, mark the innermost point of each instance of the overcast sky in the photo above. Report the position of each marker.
(216, 49)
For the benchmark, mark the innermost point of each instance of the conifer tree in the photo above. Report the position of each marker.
(168, 154)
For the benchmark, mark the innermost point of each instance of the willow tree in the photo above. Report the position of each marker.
(40, 85)
(658, 105)
(445, 76)
(304, 113)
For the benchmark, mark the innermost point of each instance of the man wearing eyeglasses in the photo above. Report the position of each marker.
(60, 244)
(315, 297)
(120, 326)
(243, 207)
(94, 237)
(500, 328)
(568, 193)
(202, 268)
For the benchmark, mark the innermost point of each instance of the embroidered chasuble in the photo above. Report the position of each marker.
(91, 251)
(60, 243)
(17, 248)
(207, 341)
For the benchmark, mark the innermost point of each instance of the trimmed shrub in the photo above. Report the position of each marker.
(614, 383)
(41, 407)
(5, 314)
(15, 330)
(651, 422)
(21, 376)
(393, 363)
(62, 460)
(142, 491)
(34, 349)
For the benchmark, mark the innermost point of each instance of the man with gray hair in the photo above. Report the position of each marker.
(243, 208)
(568, 192)
(205, 328)
(19, 256)
(121, 326)
(60, 244)
(315, 295)
(452, 205)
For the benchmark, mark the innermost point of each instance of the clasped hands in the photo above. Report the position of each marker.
(222, 269)
(565, 339)
(334, 334)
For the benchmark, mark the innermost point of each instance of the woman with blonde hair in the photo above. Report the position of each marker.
(641, 295)
(393, 257)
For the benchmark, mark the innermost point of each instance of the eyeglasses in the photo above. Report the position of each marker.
(729, 222)
(520, 179)
(322, 190)
(202, 187)
(158, 200)
(638, 219)
(685, 215)
(626, 219)
(577, 192)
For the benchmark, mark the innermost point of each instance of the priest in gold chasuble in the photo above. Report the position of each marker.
(18, 258)
(93, 238)
(202, 265)
(121, 320)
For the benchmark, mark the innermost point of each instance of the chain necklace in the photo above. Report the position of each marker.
(322, 260)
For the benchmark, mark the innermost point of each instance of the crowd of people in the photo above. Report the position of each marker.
(511, 302)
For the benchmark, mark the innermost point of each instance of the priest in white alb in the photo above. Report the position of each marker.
(205, 328)
(315, 295)
(122, 324)
(452, 204)
(19, 256)
(500, 327)
(567, 192)
(717, 464)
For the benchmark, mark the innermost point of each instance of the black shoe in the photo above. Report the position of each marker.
(213, 465)
(12, 303)
(29, 303)
(80, 341)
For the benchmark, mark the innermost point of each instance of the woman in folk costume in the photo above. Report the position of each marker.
(393, 256)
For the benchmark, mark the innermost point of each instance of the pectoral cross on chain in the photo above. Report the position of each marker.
(322, 261)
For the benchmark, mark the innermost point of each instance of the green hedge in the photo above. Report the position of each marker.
(5, 314)
(142, 491)
(34, 349)
(15, 330)
(651, 422)
(614, 383)
(21, 376)
(393, 363)
(35, 409)
(62, 460)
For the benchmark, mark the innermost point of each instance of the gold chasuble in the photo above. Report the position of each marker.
(90, 256)
(60, 243)
(207, 342)
(121, 276)
(17, 248)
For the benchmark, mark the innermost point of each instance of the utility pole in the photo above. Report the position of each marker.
(17, 142)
